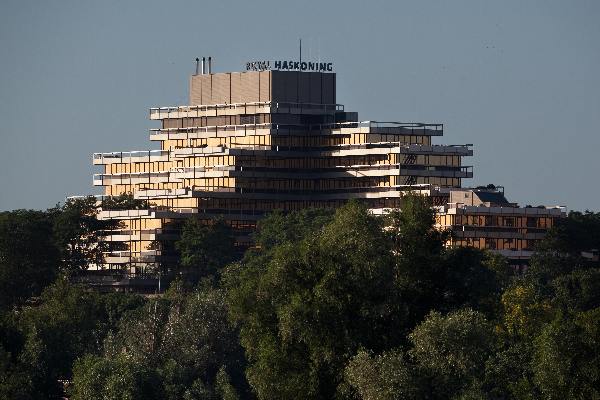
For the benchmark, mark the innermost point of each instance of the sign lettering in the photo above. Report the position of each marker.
(289, 65)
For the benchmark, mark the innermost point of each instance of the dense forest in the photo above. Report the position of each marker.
(328, 305)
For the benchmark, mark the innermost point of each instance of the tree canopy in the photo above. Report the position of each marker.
(327, 305)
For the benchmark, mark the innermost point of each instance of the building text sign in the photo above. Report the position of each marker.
(289, 66)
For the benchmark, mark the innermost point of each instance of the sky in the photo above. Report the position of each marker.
(517, 79)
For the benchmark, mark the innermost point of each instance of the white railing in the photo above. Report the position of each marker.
(158, 112)
(119, 155)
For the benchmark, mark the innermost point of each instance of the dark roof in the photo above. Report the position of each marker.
(491, 197)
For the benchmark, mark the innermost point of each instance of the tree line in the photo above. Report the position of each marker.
(328, 305)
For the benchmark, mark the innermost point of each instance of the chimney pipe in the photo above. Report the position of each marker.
(197, 65)
(210, 65)
(203, 66)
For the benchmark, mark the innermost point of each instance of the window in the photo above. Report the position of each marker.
(248, 119)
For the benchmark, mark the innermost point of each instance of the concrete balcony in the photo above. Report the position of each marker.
(122, 257)
(203, 132)
(389, 128)
(515, 254)
(130, 157)
(551, 211)
(197, 151)
(125, 214)
(160, 113)
(461, 150)
(130, 178)
(162, 193)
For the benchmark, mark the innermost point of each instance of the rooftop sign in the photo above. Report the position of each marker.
(289, 66)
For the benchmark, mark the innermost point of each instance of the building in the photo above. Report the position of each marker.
(484, 219)
(260, 140)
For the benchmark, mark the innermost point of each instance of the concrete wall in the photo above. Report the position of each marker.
(263, 86)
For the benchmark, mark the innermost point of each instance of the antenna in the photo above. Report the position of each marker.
(300, 49)
(319, 49)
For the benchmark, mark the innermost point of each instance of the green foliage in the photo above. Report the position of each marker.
(525, 313)
(118, 378)
(575, 233)
(446, 359)
(452, 350)
(224, 388)
(345, 306)
(68, 323)
(472, 279)
(388, 376)
(46, 338)
(307, 307)
(187, 340)
(278, 228)
(317, 293)
(508, 374)
(78, 233)
(205, 248)
(566, 357)
(418, 248)
(124, 201)
(579, 290)
(28, 257)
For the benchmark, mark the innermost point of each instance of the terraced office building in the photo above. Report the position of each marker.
(256, 141)
(484, 219)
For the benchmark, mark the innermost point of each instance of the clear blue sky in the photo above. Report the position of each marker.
(518, 79)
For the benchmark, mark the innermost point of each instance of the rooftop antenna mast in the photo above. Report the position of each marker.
(300, 49)
(319, 49)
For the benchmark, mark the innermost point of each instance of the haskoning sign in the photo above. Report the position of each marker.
(289, 66)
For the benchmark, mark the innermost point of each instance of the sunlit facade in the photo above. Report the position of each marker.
(252, 142)
(482, 218)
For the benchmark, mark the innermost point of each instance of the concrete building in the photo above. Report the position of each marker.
(482, 218)
(256, 141)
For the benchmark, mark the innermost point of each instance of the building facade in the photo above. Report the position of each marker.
(252, 142)
(482, 218)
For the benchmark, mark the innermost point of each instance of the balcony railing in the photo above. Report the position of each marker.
(122, 156)
(200, 110)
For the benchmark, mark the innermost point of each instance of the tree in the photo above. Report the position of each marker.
(206, 248)
(452, 350)
(114, 379)
(188, 343)
(446, 360)
(574, 234)
(78, 233)
(46, 337)
(388, 376)
(508, 373)
(278, 228)
(305, 308)
(524, 312)
(472, 278)
(577, 291)
(124, 201)
(29, 259)
(418, 249)
(64, 326)
(566, 355)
